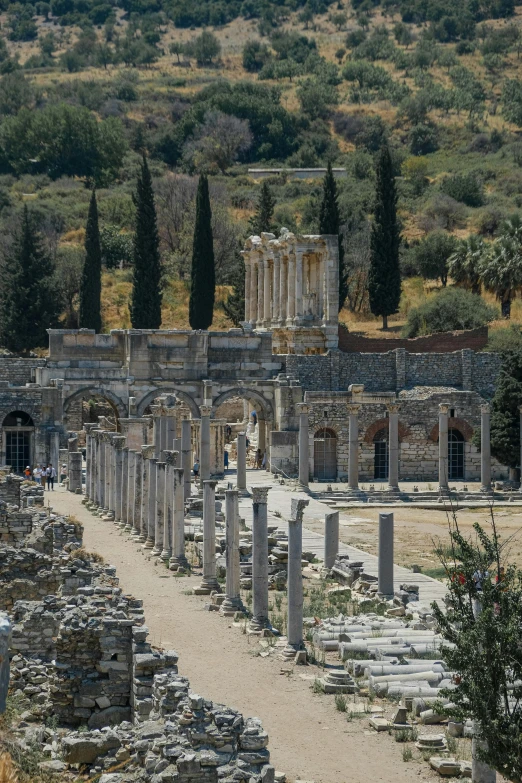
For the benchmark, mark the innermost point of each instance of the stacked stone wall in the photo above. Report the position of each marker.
(10, 489)
(15, 526)
(18, 372)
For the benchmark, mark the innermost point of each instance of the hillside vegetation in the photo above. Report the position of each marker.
(87, 87)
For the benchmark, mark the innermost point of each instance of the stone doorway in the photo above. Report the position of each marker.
(18, 428)
(325, 455)
(380, 455)
(455, 455)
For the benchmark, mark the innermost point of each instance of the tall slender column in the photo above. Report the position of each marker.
(123, 516)
(87, 462)
(248, 285)
(147, 453)
(393, 446)
(109, 515)
(260, 293)
(178, 559)
(283, 290)
(276, 289)
(131, 489)
(294, 622)
(168, 507)
(209, 582)
(331, 538)
(232, 602)
(119, 443)
(160, 508)
(304, 470)
(101, 475)
(241, 461)
(385, 566)
(151, 510)
(485, 448)
(186, 453)
(353, 446)
(298, 287)
(138, 475)
(253, 296)
(259, 560)
(204, 443)
(267, 315)
(290, 308)
(156, 433)
(443, 446)
(170, 417)
(75, 471)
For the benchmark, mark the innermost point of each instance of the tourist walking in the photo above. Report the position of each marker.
(51, 475)
(196, 469)
(63, 473)
(37, 474)
(225, 460)
(259, 459)
(27, 473)
(43, 476)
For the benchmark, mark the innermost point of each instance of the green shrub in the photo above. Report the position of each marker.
(466, 188)
(450, 309)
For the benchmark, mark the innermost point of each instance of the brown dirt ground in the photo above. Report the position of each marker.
(309, 739)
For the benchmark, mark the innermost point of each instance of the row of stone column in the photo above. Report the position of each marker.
(393, 446)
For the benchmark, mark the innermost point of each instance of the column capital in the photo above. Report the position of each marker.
(393, 407)
(118, 442)
(260, 494)
(298, 506)
(147, 451)
(171, 457)
(302, 407)
(486, 408)
(232, 492)
(205, 410)
(353, 408)
(444, 408)
(155, 410)
(210, 483)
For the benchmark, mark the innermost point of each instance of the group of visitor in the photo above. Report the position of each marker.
(41, 474)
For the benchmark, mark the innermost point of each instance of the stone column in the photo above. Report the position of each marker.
(253, 296)
(331, 538)
(156, 414)
(209, 583)
(108, 477)
(131, 488)
(259, 619)
(75, 471)
(170, 418)
(261, 434)
(119, 443)
(386, 555)
(353, 446)
(267, 299)
(186, 453)
(138, 475)
(294, 589)
(151, 511)
(393, 446)
(443, 446)
(101, 474)
(168, 505)
(283, 290)
(276, 300)
(232, 602)
(124, 488)
(241, 462)
(204, 443)
(304, 469)
(147, 453)
(88, 465)
(248, 285)
(54, 456)
(298, 287)
(178, 559)
(485, 448)
(160, 508)
(290, 308)
(260, 293)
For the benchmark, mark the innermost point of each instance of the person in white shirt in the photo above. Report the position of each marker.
(37, 473)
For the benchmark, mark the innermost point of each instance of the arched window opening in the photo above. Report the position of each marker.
(325, 455)
(455, 455)
(380, 454)
(18, 419)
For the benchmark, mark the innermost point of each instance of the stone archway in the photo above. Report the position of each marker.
(116, 403)
(252, 395)
(160, 391)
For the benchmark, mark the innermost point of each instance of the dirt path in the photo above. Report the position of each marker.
(309, 739)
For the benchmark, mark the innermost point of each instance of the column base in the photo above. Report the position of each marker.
(149, 543)
(231, 606)
(291, 651)
(140, 539)
(166, 554)
(135, 532)
(127, 528)
(156, 551)
(208, 586)
(178, 561)
(259, 624)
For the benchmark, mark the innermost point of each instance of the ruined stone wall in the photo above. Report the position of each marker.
(18, 372)
(10, 489)
(26, 575)
(15, 526)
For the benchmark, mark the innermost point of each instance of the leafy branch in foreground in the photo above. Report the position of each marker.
(483, 625)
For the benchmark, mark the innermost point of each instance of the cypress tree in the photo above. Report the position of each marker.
(261, 220)
(203, 275)
(146, 282)
(90, 285)
(330, 223)
(234, 306)
(384, 279)
(505, 416)
(29, 304)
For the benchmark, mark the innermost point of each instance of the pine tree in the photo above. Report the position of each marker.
(29, 304)
(234, 306)
(90, 286)
(384, 279)
(203, 276)
(261, 220)
(330, 223)
(146, 283)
